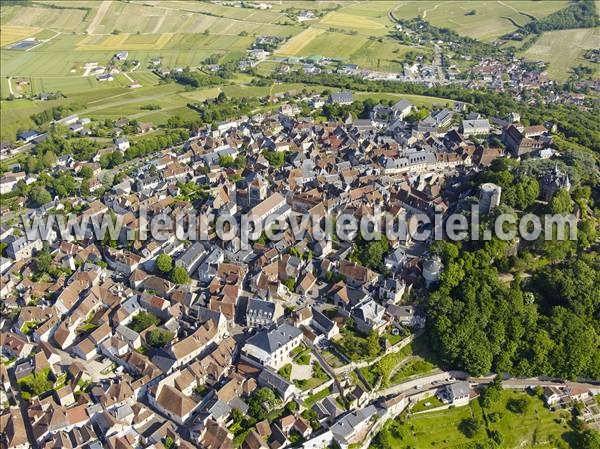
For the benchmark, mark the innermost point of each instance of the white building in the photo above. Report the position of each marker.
(272, 348)
(475, 127)
(274, 205)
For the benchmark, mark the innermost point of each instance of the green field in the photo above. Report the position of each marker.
(491, 19)
(375, 53)
(184, 33)
(417, 100)
(564, 50)
(114, 101)
(537, 428)
(370, 19)
(106, 18)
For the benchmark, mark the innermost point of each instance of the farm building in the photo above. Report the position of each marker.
(104, 77)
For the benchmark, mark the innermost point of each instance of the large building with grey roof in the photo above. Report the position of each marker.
(272, 348)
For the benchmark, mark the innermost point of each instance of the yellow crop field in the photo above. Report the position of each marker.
(12, 33)
(295, 45)
(124, 42)
(344, 20)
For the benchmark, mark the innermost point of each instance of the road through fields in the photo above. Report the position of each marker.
(98, 17)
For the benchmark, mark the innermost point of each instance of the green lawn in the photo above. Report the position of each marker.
(414, 367)
(417, 100)
(312, 399)
(427, 404)
(393, 339)
(302, 357)
(319, 376)
(86, 327)
(537, 428)
(369, 375)
(412, 360)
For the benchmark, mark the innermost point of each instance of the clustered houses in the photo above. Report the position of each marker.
(131, 355)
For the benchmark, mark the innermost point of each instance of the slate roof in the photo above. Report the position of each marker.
(341, 97)
(270, 341)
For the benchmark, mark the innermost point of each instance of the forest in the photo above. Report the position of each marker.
(524, 308)
(579, 14)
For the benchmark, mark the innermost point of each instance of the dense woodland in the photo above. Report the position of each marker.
(579, 14)
(525, 308)
(544, 326)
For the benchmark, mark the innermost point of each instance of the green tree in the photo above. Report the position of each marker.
(490, 394)
(39, 196)
(159, 338)
(383, 440)
(86, 172)
(237, 416)
(561, 203)
(164, 263)
(85, 187)
(49, 159)
(143, 320)
(446, 250)
(290, 283)
(470, 427)
(35, 384)
(275, 158)
(43, 261)
(588, 439)
(518, 405)
(261, 398)
(179, 275)
(373, 345)
(169, 442)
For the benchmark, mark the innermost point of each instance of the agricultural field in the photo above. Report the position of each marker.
(375, 53)
(441, 429)
(73, 34)
(67, 54)
(563, 50)
(11, 34)
(63, 16)
(483, 20)
(113, 100)
(371, 19)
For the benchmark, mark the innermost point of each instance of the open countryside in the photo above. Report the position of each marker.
(90, 33)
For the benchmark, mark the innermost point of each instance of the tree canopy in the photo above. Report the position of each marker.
(164, 263)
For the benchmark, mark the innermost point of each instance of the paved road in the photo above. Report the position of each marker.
(435, 380)
(437, 63)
